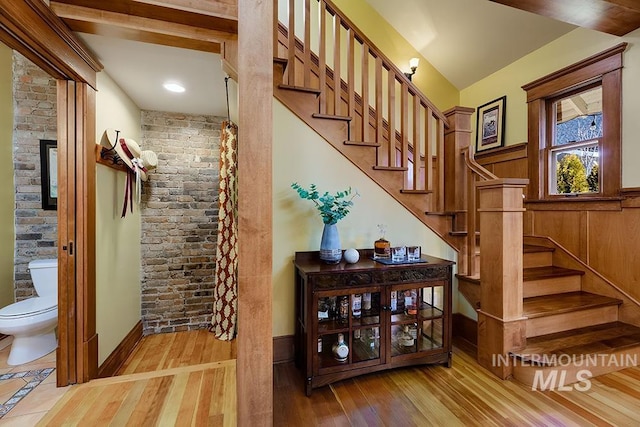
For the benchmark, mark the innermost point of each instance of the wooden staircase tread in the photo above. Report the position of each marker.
(331, 117)
(300, 89)
(536, 273)
(390, 168)
(599, 339)
(535, 248)
(362, 143)
(470, 279)
(547, 305)
(416, 191)
(461, 233)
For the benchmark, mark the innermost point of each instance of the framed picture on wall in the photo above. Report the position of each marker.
(49, 173)
(490, 122)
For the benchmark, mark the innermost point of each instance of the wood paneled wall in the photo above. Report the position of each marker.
(603, 235)
(507, 162)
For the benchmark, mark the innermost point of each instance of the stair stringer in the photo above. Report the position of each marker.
(304, 105)
(592, 281)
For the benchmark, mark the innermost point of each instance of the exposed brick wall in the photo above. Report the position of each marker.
(35, 116)
(179, 221)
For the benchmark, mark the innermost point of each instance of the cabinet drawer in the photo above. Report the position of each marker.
(334, 281)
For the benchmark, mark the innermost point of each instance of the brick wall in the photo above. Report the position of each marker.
(179, 221)
(35, 116)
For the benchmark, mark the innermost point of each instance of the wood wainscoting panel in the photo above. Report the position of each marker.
(506, 162)
(614, 245)
(465, 328)
(118, 356)
(569, 228)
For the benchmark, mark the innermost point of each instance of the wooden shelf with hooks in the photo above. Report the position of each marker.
(107, 157)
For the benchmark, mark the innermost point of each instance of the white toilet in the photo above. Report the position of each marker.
(32, 322)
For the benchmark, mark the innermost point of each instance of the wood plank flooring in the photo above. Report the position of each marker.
(177, 379)
(203, 394)
(464, 395)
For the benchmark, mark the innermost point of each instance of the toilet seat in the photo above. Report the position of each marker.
(28, 307)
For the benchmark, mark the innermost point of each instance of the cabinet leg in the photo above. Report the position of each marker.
(308, 387)
(449, 359)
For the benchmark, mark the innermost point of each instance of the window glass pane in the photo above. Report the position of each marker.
(578, 117)
(575, 170)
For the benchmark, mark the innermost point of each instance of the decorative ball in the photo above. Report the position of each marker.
(351, 256)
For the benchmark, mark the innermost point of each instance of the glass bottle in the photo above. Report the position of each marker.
(340, 349)
(366, 301)
(405, 338)
(343, 314)
(356, 308)
(410, 301)
(382, 247)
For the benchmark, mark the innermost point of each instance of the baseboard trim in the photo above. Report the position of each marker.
(465, 328)
(118, 356)
(283, 349)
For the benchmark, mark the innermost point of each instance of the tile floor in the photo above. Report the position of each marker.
(27, 391)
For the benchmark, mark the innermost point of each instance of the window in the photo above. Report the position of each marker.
(575, 130)
(574, 142)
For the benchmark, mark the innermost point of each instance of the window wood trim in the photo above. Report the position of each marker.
(604, 67)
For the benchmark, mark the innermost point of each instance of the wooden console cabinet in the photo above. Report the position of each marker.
(389, 315)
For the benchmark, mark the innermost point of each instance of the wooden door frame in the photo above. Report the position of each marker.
(31, 28)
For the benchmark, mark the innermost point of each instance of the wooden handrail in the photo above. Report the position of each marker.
(475, 173)
(476, 167)
(358, 74)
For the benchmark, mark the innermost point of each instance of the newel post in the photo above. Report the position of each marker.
(456, 137)
(501, 326)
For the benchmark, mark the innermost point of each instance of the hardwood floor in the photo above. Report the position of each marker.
(164, 351)
(200, 395)
(188, 378)
(184, 378)
(464, 395)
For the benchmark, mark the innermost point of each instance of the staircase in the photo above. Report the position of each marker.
(341, 86)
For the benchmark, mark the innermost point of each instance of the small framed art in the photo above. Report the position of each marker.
(490, 123)
(49, 176)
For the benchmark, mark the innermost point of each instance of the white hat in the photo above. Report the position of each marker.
(149, 159)
(129, 151)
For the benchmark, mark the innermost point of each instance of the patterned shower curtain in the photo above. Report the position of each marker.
(225, 291)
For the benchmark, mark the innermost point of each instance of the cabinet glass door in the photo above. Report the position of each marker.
(348, 328)
(417, 319)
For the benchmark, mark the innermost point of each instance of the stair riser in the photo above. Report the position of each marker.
(537, 259)
(554, 285)
(568, 372)
(575, 319)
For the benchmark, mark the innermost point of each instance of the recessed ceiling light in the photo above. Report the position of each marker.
(174, 87)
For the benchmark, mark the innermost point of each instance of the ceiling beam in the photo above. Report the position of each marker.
(108, 30)
(207, 14)
(617, 17)
(131, 27)
(227, 9)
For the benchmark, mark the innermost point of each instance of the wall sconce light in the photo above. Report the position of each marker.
(413, 65)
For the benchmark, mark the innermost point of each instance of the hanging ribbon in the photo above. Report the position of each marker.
(134, 177)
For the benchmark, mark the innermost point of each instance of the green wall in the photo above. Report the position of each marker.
(571, 48)
(7, 226)
(429, 80)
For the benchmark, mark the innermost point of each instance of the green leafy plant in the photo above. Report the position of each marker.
(332, 208)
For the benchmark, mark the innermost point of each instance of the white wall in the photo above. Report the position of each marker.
(117, 239)
(300, 155)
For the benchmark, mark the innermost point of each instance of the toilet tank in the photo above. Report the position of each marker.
(44, 274)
